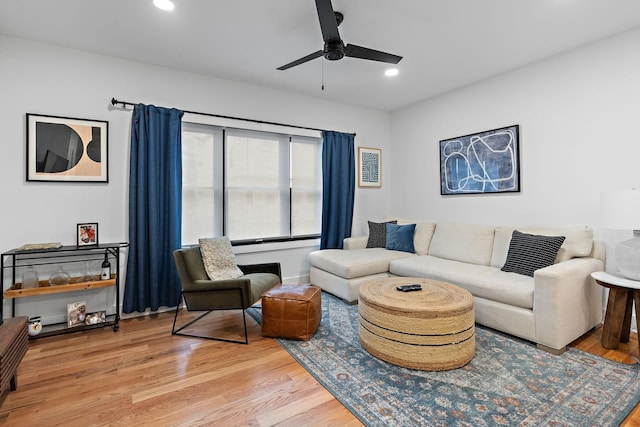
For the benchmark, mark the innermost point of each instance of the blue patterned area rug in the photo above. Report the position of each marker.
(509, 382)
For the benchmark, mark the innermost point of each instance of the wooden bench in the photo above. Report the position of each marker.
(14, 341)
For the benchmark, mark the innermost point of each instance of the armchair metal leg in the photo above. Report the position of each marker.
(175, 331)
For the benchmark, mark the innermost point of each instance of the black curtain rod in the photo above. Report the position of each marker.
(125, 103)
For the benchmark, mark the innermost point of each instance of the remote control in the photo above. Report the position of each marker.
(409, 288)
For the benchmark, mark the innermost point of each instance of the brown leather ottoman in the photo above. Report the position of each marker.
(291, 311)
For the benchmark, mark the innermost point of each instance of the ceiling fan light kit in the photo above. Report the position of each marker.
(334, 48)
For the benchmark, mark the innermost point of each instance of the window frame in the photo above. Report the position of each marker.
(291, 138)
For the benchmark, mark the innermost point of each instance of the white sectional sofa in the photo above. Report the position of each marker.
(554, 307)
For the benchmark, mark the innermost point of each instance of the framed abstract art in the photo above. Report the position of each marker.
(483, 162)
(64, 149)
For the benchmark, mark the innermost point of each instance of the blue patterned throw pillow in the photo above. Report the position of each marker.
(530, 252)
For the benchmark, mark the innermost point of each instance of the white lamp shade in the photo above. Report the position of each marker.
(620, 209)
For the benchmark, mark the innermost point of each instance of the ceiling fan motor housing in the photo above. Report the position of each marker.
(334, 50)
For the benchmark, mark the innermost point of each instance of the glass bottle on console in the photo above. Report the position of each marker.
(106, 267)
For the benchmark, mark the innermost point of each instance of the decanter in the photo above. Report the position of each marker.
(30, 278)
(87, 276)
(60, 277)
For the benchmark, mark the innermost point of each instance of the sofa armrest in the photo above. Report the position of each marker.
(567, 302)
(359, 242)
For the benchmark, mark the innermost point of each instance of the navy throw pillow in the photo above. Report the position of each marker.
(400, 237)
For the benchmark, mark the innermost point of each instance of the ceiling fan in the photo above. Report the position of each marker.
(334, 47)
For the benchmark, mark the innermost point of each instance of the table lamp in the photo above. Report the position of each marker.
(620, 209)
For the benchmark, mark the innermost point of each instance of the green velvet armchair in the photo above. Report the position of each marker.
(203, 294)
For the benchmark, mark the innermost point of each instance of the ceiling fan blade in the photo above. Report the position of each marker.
(307, 58)
(355, 51)
(328, 22)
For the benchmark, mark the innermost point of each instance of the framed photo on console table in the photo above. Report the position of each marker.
(87, 234)
(369, 167)
(483, 162)
(64, 149)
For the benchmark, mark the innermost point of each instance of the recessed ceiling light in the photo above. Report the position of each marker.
(391, 72)
(164, 4)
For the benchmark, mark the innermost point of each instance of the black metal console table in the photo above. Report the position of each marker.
(19, 260)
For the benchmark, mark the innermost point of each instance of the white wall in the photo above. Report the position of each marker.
(51, 80)
(578, 116)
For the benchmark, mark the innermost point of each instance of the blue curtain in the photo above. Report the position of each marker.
(155, 208)
(338, 188)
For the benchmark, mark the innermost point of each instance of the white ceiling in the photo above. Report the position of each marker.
(446, 44)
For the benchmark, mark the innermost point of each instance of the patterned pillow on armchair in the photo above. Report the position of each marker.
(218, 258)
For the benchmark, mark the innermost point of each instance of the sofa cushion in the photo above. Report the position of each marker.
(421, 237)
(482, 281)
(578, 241)
(356, 262)
(400, 237)
(378, 234)
(463, 242)
(531, 252)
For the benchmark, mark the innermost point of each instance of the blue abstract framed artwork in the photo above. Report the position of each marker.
(484, 162)
(369, 167)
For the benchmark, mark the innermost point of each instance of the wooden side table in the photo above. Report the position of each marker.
(617, 321)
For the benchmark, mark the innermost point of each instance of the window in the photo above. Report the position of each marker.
(202, 189)
(249, 185)
(306, 186)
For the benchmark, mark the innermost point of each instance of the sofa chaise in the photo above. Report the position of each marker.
(552, 307)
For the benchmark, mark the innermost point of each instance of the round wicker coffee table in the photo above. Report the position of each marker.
(431, 329)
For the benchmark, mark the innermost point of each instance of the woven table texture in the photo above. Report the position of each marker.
(430, 329)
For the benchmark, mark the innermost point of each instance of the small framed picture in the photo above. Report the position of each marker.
(96, 318)
(369, 167)
(87, 234)
(76, 313)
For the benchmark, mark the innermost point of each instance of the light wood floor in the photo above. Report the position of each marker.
(143, 376)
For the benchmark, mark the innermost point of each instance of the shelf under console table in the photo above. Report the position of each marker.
(16, 260)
